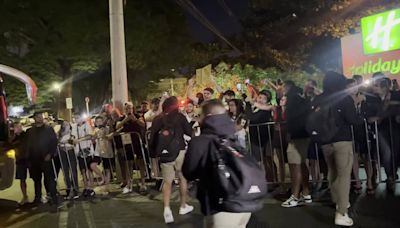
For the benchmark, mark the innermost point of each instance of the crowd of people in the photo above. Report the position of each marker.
(363, 118)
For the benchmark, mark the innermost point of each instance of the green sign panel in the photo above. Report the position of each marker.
(381, 32)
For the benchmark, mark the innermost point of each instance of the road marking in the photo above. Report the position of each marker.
(88, 214)
(28, 220)
(63, 218)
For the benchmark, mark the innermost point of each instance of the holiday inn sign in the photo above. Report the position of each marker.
(376, 49)
(381, 32)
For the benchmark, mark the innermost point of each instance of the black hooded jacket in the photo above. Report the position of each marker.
(346, 114)
(297, 111)
(197, 165)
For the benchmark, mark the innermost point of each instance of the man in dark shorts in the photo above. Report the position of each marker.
(19, 143)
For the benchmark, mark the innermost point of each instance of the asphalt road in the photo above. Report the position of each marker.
(134, 210)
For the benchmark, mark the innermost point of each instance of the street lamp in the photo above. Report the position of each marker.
(57, 86)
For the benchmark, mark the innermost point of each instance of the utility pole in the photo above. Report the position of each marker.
(118, 55)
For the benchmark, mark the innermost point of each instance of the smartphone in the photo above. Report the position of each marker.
(239, 87)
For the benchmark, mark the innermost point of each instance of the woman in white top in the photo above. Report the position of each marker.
(68, 161)
(87, 157)
(103, 135)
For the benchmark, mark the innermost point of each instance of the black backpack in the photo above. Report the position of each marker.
(167, 143)
(322, 124)
(237, 182)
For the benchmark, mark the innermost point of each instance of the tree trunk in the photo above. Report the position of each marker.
(66, 88)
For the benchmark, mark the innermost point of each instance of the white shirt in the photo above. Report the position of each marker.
(64, 142)
(149, 117)
(80, 132)
(103, 144)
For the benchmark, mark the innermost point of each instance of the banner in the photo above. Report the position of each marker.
(203, 75)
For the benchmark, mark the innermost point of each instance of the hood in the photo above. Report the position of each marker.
(220, 125)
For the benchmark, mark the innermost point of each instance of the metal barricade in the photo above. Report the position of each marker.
(154, 162)
(259, 143)
(69, 166)
(128, 141)
(265, 148)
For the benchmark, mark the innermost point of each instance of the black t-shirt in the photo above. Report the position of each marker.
(131, 126)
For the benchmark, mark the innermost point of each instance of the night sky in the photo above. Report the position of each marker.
(216, 14)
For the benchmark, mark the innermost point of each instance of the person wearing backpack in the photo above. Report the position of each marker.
(168, 144)
(297, 110)
(334, 111)
(231, 184)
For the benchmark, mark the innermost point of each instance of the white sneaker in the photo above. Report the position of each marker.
(186, 210)
(44, 199)
(168, 217)
(343, 220)
(305, 199)
(291, 202)
(23, 201)
(126, 190)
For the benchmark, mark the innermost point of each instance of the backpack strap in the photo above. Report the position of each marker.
(222, 143)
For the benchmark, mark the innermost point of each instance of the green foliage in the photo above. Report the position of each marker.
(286, 33)
(53, 40)
(228, 76)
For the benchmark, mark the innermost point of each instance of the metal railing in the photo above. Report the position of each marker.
(267, 142)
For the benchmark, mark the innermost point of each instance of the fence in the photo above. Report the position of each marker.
(126, 146)
(377, 146)
(377, 143)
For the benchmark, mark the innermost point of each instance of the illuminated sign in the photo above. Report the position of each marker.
(355, 61)
(381, 32)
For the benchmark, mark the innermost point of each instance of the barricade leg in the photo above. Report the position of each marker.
(356, 165)
(111, 169)
(269, 159)
(144, 157)
(129, 169)
(281, 156)
(378, 150)
(316, 168)
(65, 169)
(50, 181)
(260, 150)
(154, 166)
(54, 170)
(370, 166)
(393, 149)
(73, 168)
(137, 166)
(249, 143)
(86, 174)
